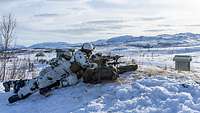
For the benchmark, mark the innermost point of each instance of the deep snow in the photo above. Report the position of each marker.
(147, 95)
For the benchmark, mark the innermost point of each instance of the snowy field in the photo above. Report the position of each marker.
(128, 95)
(154, 88)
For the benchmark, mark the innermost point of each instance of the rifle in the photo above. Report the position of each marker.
(115, 60)
(115, 63)
(109, 60)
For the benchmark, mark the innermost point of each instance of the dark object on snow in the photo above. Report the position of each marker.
(103, 73)
(43, 61)
(111, 60)
(185, 85)
(45, 91)
(114, 61)
(15, 84)
(182, 62)
(127, 68)
(75, 67)
(62, 53)
(108, 69)
(40, 54)
(18, 84)
(16, 98)
(6, 86)
(13, 99)
(106, 73)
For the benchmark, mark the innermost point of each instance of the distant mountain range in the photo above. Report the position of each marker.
(165, 40)
(57, 45)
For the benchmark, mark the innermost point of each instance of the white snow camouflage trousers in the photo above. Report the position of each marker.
(58, 71)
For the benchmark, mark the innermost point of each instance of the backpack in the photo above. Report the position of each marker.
(100, 74)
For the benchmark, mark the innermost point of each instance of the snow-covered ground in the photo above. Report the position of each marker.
(128, 95)
(154, 88)
(158, 57)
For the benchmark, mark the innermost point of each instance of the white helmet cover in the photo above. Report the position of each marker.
(68, 53)
(88, 46)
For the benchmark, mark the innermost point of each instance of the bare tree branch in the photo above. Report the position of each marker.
(7, 26)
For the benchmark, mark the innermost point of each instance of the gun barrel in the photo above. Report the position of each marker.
(115, 63)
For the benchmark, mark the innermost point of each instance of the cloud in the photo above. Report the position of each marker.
(129, 4)
(165, 25)
(156, 30)
(151, 18)
(104, 22)
(9, 0)
(76, 8)
(45, 20)
(103, 25)
(106, 3)
(74, 31)
(111, 2)
(58, 0)
(193, 25)
(46, 15)
(90, 27)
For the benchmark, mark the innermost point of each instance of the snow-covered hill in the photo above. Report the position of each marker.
(177, 40)
(165, 40)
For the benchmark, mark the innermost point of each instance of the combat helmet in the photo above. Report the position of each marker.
(87, 47)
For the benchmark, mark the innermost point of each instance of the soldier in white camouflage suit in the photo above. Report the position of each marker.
(58, 74)
(89, 70)
(82, 57)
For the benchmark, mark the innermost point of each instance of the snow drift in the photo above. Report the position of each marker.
(148, 95)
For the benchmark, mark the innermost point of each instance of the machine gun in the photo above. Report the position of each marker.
(107, 60)
(114, 61)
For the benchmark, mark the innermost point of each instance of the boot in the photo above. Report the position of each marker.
(16, 98)
(45, 91)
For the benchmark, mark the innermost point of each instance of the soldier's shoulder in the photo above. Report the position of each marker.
(79, 52)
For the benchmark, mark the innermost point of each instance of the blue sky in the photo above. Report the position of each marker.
(77, 21)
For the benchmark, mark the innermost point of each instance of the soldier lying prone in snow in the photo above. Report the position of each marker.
(66, 70)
